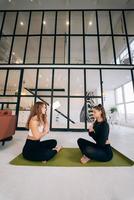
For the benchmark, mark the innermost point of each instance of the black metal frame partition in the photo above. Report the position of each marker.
(52, 96)
(69, 34)
(68, 65)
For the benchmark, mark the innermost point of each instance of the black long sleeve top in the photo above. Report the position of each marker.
(101, 132)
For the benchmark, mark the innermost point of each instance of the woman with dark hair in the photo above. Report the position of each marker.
(101, 150)
(34, 149)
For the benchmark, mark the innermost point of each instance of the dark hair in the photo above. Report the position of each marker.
(36, 110)
(103, 113)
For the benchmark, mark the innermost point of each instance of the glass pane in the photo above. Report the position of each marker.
(121, 112)
(90, 22)
(112, 80)
(61, 53)
(60, 82)
(44, 82)
(106, 48)
(129, 92)
(58, 120)
(91, 46)
(47, 49)
(119, 95)
(62, 22)
(13, 82)
(22, 23)
(32, 50)
(76, 49)
(121, 50)
(24, 110)
(93, 83)
(5, 45)
(8, 100)
(76, 22)
(130, 112)
(77, 86)
(104, 22)
(2, 80)
(9, 23)
(29, 81)
(129, 16)
(49, 23)
(76, 108)
(35, 23)
(118, 22)
(18, 50)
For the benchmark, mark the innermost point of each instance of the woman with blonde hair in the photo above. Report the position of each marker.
(34, 149)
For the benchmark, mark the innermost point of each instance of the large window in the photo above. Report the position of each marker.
(118, 95)
(9, 89)
(78, 37)
(125, 100)
(69, 93)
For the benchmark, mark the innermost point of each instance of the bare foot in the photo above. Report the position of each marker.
(58, 148)
(84, 159)
(44, 161)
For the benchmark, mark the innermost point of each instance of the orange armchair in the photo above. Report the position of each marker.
(7, 125)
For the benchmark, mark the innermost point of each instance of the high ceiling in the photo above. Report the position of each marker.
(65, 4)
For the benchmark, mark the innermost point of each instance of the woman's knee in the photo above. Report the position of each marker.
(54, 142)
(50, 154)
(79, 141)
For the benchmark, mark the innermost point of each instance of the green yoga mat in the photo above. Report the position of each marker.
(70, 157)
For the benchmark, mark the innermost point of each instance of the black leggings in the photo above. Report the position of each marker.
(94, 151)
(36, 150)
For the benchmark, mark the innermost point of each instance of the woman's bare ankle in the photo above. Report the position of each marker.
(44, 161)
(58, 148)
(84, 159)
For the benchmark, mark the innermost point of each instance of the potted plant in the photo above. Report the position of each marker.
(113, 109)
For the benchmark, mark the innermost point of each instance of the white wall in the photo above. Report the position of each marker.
(109, 99)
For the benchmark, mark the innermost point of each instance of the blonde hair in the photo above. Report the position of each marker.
(36, 110)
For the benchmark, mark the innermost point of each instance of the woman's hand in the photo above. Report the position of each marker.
(91, 129)
(107, 142)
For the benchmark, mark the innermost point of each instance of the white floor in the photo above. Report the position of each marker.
(54, 183)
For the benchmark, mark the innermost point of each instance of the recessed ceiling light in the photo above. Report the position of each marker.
(22, 23)
(9, 1)
(13, 53)
(44, 22)
(90, 23)
(18, 61)
(67, 23)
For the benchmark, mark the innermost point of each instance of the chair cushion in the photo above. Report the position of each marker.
(5, 112)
